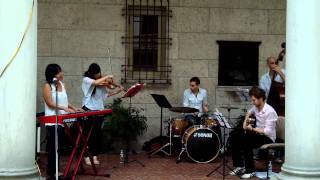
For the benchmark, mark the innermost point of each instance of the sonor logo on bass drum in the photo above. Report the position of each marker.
(206, 135)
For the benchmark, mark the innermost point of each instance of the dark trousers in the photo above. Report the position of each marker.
(51, 166)
(95, 139)
(242, 145)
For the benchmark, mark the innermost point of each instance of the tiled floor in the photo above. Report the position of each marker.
(156, 168)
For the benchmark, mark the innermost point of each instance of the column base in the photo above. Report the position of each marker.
(28, 173)
(290, 173)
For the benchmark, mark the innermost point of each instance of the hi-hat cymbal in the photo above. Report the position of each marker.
(229, 107)
(183, 109)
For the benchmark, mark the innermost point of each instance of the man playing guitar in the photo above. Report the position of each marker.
(246, 139)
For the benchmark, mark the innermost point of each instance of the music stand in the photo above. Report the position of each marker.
(162, 102)
(131, 92)
(243, 94)
(225, 124)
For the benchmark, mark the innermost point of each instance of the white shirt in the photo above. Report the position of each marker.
(266, 119)
(265, 81)
(62, 101)
(93, 101)
(195, 101)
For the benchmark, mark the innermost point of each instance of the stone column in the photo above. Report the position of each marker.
(302, 153)
(18, 90)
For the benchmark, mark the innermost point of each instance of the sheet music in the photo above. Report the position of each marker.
(225, 121)
(134, 89)
(222, 120)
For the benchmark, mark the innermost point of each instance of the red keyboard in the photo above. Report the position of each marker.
(68, 118)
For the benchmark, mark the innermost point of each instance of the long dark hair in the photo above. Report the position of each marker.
(93, 69)
(51, 71)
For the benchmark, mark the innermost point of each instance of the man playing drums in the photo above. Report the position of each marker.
(195, 97)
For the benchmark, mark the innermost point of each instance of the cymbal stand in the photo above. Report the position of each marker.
(223, 164)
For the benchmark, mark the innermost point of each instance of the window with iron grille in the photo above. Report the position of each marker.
(238, 63)
(147, 42)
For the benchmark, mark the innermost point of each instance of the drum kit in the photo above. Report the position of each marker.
(201, 143)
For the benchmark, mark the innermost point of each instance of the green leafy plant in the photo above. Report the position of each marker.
(126, 123)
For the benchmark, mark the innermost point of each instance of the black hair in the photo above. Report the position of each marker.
(93, 69)
(195, 79)
(51, 71)
(257, 93)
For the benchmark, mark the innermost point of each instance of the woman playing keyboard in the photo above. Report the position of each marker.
(54, 77)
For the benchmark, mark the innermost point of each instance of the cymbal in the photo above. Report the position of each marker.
(183, 109)
(228, 107)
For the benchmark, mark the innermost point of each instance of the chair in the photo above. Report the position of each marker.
(278, 145)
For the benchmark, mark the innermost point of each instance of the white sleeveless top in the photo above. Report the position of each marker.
(62, 101)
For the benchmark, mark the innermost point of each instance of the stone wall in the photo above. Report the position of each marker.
(75, 33)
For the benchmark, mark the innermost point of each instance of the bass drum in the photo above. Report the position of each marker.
(202, 144)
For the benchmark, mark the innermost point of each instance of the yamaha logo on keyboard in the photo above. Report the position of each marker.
(205, 135)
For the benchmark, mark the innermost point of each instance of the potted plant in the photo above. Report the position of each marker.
(126, 123)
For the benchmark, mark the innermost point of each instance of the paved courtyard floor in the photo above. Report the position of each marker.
(155, 168)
